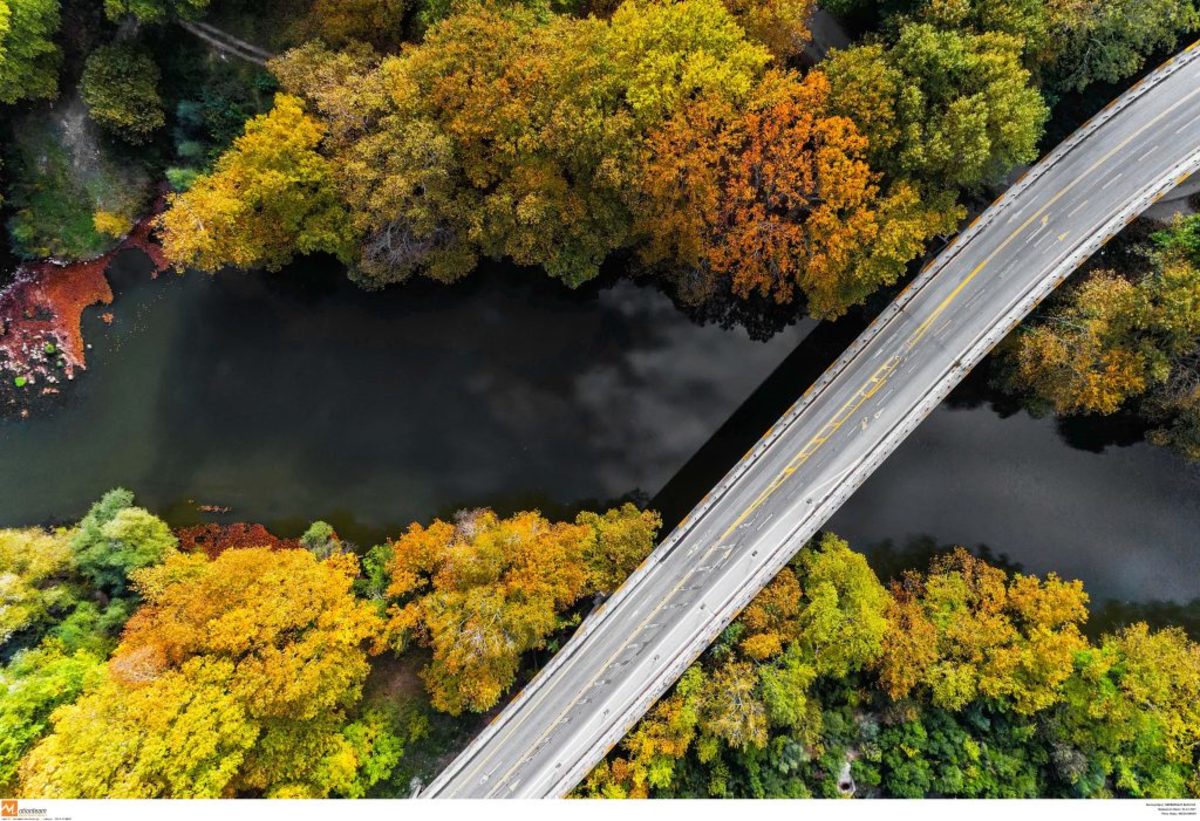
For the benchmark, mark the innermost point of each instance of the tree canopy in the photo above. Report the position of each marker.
(29, 58)
(551, 140)
(237, 673)
(269, 197)
(961, 681)
(944, 107)
(483, 591)
(775, 196)
(119, 86)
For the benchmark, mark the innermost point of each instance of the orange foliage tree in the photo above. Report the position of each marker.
(485, 590)
(777, 197)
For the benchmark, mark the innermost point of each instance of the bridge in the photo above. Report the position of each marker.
(629, 652)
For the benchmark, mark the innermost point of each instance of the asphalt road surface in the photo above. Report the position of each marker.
(629, 652)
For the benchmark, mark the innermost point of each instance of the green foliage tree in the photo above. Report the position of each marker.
(842, 624)
(29, 58)
(1132, 712)
(1108, 40)
(32, 686)
(115, 538)
(155, 11)
(977, 684)
(119, 86)
(821, 617)
(321, 540)
(1181, 238)
(944, 107)
(1069, 45)
(975, 754)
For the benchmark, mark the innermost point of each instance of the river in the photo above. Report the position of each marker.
(297, 396)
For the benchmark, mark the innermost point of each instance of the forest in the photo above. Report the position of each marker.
(696, 139)
(142, 662)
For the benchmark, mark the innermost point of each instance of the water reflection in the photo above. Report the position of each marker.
(298, 396)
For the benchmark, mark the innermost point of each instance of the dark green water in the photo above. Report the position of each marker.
(298, 396)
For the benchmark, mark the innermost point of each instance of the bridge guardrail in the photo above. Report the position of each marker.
(948, 255)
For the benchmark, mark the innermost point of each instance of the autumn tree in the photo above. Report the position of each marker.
(651, 749)
(182, 734)
(29, 58)
(238, 673)
(1132, 709)
(285, 620)
(965, 631)
(119, 86)
(621, 539)
(339, 22)
(778, 198)
(780, 25)
(34, 583)
(1110, 339)
(1174, 409)
(507, 133)
(842, 625)
(270, 196)
(483, 591)
(942, 107)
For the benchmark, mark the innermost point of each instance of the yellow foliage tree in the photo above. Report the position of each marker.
(964, 631)
(33, 569)
(485, 590)
(271, 195)
(235, 675)
(182, 735)
(111, 224)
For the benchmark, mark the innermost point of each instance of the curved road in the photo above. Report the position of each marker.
(629, 652)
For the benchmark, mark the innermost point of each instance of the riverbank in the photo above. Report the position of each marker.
(42, 344)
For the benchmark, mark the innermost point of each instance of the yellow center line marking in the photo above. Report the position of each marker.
(872, 385)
